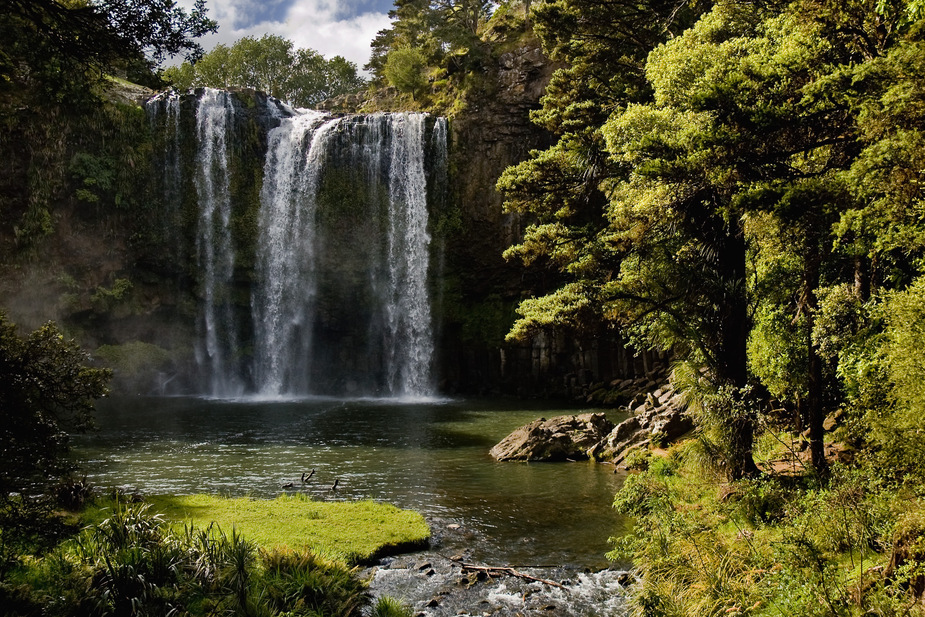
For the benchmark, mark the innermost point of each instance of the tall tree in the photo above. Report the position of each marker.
(667, 150)
(444, 32)
(271, 64)
(604, 46)
(738, 122)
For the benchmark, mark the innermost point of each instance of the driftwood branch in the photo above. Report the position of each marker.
(510, 572)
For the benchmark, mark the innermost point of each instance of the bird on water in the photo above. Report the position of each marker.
(334, 486)
(306, 478)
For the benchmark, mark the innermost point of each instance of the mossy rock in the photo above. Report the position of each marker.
(356, 532)
(137, 366)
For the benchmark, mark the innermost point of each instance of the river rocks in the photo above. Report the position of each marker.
(478, 589)
(615, 446)
(556, 439)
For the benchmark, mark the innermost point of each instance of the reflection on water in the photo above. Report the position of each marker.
(430, 456)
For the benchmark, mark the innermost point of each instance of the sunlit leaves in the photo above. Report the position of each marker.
(271, 64)
(404, 69)
(565, 307)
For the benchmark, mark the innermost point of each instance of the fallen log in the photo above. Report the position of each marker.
(471, 567)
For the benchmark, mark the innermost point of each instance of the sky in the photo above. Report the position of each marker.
(330, 27)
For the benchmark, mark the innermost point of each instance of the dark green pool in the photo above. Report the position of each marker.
(429, 456)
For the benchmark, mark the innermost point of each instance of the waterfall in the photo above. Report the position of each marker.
(407, 306)
(217, 345)
(305, 228)
(315, 279)
(283, 302)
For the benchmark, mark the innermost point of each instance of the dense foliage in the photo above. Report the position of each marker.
(135, 563)
(271, 64)
(442, 33)
(56, 45)
(739, 183)
(46, 392)
(439, 55)
(775, 545)
(721, 172)
(63, 143)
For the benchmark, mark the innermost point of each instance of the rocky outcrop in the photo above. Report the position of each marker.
(556, 439)
(658, 419)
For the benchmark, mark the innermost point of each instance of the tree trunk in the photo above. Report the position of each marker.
(732, 354)
(815, 408)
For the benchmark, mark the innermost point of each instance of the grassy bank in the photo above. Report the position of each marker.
(777, 545)
(206, 555)
(352, 532)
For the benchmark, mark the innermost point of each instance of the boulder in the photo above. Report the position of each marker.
(670, 426)
(615, 449)
(556, 439)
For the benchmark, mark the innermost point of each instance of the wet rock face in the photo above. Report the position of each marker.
(556, 439)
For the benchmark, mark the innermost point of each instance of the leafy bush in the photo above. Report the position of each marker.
(761, 501)
(305, 584)
(135, 563)
(46, 392)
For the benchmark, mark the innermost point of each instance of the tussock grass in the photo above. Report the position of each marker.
(771, 546)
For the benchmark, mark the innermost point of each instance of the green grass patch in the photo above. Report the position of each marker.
(771, 545)
(354, 532)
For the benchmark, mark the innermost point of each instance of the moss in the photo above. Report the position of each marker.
(355, 532)
(134, 357)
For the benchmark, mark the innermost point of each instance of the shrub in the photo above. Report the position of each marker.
(389, 607)
(305, 584)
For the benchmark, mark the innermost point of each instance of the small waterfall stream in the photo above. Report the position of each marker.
(312, 257)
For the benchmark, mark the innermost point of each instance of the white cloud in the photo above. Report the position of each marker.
(318, 24)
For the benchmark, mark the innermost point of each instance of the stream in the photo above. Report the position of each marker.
(548, 520)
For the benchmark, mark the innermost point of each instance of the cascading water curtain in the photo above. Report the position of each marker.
(385, 153)
(284, 299)
(410, 344)
(217, 348)
(339, 299)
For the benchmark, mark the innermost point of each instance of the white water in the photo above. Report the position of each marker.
(383, 146)
(340, 301)
(217, 344)
(284, 296)
(410, 333)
